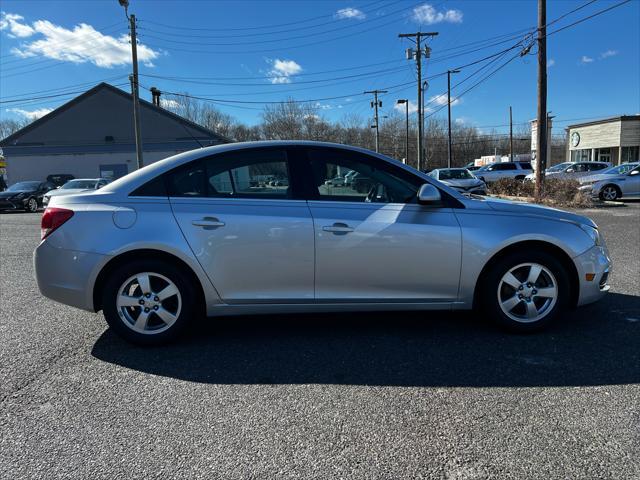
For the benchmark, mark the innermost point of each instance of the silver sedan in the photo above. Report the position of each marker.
(206, 233)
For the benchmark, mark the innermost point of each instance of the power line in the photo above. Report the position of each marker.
(287, 31)
(252, 28)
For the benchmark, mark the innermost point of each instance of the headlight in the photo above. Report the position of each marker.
(593, 233)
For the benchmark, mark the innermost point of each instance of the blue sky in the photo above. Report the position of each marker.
(256, 51)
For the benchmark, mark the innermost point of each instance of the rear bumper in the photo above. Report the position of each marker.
(594, 261)
(67, 276)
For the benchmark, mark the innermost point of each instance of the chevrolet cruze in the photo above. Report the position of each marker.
(208, 232)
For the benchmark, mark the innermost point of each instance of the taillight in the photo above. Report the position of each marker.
(52, 218)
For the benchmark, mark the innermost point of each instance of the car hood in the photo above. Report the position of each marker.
(521, 208)
(65, 191)
(463, 183)
(12, 194)
(598, 177)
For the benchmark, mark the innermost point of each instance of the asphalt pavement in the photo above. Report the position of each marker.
(393, 395)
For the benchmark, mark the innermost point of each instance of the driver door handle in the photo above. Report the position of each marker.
(338, 228)
(208, 222)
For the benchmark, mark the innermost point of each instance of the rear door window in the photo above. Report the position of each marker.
(258, 173)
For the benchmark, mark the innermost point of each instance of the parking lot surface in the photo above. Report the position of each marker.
(411, 395)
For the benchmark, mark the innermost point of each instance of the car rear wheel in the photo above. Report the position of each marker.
(148, 302)
(32, 205)
(525, 291)
(610, 193)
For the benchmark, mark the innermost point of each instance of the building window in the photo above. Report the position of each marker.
(581, 155)
(604, 154)
(630, 154)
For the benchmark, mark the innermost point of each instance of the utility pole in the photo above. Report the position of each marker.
(417, 38)
(135, 86)
(541, 133)
(375, 104)
(510, 135)
(449, 72)
(405, 101)
(136, 90)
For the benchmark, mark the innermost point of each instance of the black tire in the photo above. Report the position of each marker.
(613, 189)
(118, 322)
(32, 205)
(521, 178)
(490, 282)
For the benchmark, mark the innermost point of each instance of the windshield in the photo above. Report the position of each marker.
(80, 184)
(558, 168)
(620, 169)
(23, 186)
(455, 174)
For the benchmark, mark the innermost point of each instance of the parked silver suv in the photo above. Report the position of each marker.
(198, 233)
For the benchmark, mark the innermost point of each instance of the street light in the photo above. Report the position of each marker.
(405, 102)
(449, 72)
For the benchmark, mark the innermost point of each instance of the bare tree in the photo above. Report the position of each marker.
(9, 127)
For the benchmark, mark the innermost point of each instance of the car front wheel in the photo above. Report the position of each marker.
(32, 205)
(148, 302)
(610, 193)
(525, 291)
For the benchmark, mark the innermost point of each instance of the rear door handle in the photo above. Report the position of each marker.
(208, 222)
(338, 228)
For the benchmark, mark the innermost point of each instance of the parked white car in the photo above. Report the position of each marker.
(620, 182)
(461, 179)
(496, 171)
(78, 185)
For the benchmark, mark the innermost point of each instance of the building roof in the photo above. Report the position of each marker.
(190, 130)
(619, 118)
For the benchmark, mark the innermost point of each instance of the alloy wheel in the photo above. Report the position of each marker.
(527, 292)
(609, 193)
(148, 303)
(32, 205)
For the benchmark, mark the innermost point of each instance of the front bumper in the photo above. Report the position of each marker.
(588, 190)
(13, 204)
(596, 264)
(67, 276)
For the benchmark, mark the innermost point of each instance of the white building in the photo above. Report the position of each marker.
(615, 140)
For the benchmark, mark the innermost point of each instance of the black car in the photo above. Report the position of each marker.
(25, 196)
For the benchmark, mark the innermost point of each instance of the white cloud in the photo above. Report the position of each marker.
(31, 114)
(609, 53)
(401, 107)
(281, 70)
(11, 22)
(460, 121)
(551, 63)
(82, 44)
(323, 106)
(428, 15)
(442, 100)
(586, 59)
(169, 103)
(350, 12)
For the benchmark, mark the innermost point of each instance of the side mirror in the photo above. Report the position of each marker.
(634, 172)
(569, 170)
(428, 194)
